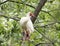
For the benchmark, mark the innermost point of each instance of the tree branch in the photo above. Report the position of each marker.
(3, 2)
(43, 35)
(48, 24)
(50, 14)
(38, 9)
(22, 3)
(14, 18)
(51, 42)
(42, 43)
(53, 10)
(27, 5)
(18, 3)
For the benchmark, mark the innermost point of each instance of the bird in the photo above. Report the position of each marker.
(27, 25)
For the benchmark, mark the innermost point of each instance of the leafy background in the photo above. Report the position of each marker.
(47, 24)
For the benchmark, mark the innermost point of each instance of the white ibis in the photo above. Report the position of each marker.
(27, 25)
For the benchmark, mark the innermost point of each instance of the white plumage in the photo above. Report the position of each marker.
(26, 23)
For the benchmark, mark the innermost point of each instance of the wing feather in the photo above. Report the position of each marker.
(30, 26)
(23, 21)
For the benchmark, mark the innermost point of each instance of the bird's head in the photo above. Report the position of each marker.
(29, 14)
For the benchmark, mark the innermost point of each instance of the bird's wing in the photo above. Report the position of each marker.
(30, 26)
(23, 20)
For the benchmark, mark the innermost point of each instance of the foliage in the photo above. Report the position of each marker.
(47, 24)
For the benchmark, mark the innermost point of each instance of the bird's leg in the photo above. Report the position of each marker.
(27, 35)
(24, 35)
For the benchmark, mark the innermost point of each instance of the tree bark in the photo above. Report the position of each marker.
(38, 9)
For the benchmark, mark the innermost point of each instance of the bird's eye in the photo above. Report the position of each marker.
(31, 14)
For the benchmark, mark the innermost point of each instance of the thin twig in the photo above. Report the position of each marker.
(22, 3)
(44, 37)
(42, 43)
(14, 18)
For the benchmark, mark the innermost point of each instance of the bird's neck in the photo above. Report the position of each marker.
(28, 16)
